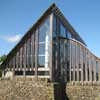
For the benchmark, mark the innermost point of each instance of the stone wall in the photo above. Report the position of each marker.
(30, 89)
(26, 89)
(83, 91)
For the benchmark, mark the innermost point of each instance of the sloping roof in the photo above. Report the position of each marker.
(52, 8)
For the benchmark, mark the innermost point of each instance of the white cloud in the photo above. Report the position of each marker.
(13, 38)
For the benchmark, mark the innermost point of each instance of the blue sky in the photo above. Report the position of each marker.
(17, 16)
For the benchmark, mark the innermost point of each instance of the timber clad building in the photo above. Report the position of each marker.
(52, 49)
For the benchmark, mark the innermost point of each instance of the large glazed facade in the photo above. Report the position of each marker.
(53, 49)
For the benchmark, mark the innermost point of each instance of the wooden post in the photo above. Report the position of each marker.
(32, 50)
(73, 61)
(25, 57)
(94, 68)
(51, 47)
(70, 58)
(78, 58)
(17, 60)
(14, 65)
(90, 70)
(81, 54)
(77, 70)
(99, 70)
(20, 55)
(86, 69)
(36, 53)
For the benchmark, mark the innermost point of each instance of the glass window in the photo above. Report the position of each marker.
(42, 34)
(44, 30)
(54, 27)
(42, 49)
(41, 61)
(62, 31)
(68, 35)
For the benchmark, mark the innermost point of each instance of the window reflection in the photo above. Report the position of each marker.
(68, 35)
(62, 31)
(54, 26)
(42, 49)
(41, 61)
(44, 30)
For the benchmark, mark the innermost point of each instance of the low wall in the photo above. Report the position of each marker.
(26, 89)
(83, 91)
(30, 89)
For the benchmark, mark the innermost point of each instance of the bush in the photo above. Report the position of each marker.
(0, 73)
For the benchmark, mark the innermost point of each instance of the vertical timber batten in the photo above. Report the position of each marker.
(70, 58)
(36, 52)
(86, 69)
(13, 69)
(24, 59)
(51, 47)
(32, 52)
(94, 69)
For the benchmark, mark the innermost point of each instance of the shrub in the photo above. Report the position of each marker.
(0, 73)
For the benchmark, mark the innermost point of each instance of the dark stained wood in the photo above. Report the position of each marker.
(24, 58)
(20, 56)
(31, 54)
(36, 53)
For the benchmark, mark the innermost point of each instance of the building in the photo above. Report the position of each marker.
(52, 49)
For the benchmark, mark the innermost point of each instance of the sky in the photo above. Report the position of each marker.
(17, 16)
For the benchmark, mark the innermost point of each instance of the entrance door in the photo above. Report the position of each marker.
(63, 59)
